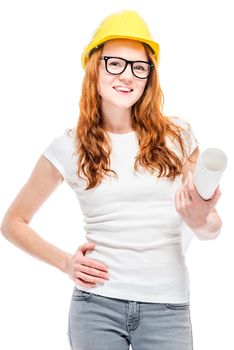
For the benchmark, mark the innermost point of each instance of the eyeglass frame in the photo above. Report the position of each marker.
(105, 58)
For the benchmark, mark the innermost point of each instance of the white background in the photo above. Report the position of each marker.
(41, 75)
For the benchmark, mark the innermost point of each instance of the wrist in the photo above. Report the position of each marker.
(65, 267)
(199, 224)
(208, 228)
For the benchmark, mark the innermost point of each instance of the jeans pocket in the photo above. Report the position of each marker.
(180, 306)
(81, 295)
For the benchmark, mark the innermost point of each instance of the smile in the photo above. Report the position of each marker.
(122, 89)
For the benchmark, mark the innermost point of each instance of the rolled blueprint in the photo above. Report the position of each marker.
(207, 173)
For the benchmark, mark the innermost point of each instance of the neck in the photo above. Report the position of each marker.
(117, 120)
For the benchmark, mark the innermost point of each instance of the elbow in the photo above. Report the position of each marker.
(6, 221)
(9, 221)
(4, 228)
(209, 235)
(7, 227)
(218, 228)
(212, 230)
(217, 233)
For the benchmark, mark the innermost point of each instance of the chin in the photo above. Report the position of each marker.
(124, 104)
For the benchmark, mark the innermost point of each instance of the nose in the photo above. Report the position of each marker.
(127, 73)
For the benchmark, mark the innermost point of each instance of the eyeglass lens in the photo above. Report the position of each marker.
(117, 66)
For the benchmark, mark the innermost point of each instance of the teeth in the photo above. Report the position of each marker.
(119, 88)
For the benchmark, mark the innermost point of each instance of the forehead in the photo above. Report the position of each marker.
(129, 49)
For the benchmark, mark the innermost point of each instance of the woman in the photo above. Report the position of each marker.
(131, 169)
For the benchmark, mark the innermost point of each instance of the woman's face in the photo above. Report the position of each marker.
(110, 85)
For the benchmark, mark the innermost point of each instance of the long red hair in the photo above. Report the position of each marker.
(151, 127)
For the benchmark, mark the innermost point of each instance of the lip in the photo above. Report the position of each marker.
(123, 92)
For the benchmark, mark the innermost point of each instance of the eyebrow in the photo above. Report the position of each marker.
(136, 60)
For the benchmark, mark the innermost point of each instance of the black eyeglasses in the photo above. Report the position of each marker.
(117, 65)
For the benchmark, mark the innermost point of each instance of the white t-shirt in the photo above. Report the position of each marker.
(132, 220)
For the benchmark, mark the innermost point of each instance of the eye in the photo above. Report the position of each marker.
(141, 68)
(114, 64)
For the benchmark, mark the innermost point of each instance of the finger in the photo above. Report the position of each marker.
(217, 191)
(187, 196)
(81, 251)
(90, 279)
(93, 272)
(94, 264)
(177, 199)
(84, 284)
(86, 246)
(182, 199)
(214, 199)
(76, 279)
(191, 187)
(80, 258)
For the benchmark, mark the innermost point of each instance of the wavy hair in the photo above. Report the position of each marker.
(151, 126)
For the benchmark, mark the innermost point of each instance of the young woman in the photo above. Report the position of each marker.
(131, 169)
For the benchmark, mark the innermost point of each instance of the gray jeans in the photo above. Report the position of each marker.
(102, 323)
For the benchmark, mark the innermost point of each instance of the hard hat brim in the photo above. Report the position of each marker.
(90, 48)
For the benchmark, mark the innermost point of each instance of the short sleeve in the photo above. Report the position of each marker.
(60, 153)
(189, 139)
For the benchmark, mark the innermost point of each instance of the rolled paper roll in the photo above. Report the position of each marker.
(208, 171)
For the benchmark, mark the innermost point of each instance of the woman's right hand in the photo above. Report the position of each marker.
(85, 271)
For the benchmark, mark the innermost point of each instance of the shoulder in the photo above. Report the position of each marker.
(178, 121)
(186, 130)
(67, 137)
(187, 136)
(70, 132)
(71, 136)
(63, 144)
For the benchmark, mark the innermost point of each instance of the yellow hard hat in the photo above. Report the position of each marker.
(124, 24)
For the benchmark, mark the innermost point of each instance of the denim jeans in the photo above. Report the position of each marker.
(101, 323)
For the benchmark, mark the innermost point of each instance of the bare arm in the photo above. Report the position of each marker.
(199, 214)
(45, 178)
(43, 181)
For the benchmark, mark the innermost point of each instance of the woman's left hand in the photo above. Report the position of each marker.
(192, 208)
